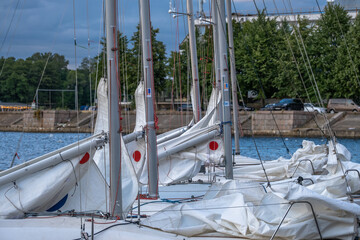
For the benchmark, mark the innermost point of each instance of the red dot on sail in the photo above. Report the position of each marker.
(85, 158)
(213, 145)
(136, 156)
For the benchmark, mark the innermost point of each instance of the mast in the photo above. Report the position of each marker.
(220, 10)
(233, 78)
(214, 19)
(114, 109)
(150, 95)
(194, 62)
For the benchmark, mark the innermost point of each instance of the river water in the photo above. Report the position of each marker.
(31, 145)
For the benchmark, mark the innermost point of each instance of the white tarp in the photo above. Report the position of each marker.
(251, 211)
(321, 157)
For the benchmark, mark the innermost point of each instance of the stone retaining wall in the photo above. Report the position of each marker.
(259, 123)
(279, 120)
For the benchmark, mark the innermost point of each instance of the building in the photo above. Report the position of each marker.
(352, 6)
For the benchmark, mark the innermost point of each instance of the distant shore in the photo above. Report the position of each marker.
(258, 123)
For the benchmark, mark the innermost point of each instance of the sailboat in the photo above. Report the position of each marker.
(69, 204)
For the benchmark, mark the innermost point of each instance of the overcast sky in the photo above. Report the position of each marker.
(29, 26)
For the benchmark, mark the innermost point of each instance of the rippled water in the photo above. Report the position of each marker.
(36, 144)
(32, 145)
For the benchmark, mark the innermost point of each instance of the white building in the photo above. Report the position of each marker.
(352, 6)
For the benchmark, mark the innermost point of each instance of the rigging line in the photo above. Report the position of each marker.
(265, 8)
(261, 85)
(49, 55)
(311, 70)
(179, 65)
(12, 38)
(347, 48)
(11, 21)
(122, 61)
(253, 138)
(89, 65)
(328, 123)
(107, 186)
(76, 103)
(312, 77)
(298, 69)
(297, 30)
(307, 65)
(171, 69)
(140, 75)
(98, 54)
(254, 1)
(17, 149)
(90, 89)
(297, 65)
(215, 208)
(188, 64)
(7, 15)
(104, 56)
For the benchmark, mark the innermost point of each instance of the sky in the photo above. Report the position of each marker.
(30, 26)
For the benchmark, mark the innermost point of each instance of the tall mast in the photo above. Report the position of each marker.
(220, 9)
(150, 95)
(194, 62)
(114, 112)
(233, 77)
(214, 19)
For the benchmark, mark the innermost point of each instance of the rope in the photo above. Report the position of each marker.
(77, 101)
(179, 65)
(8, 29)
(12, 38)
(301, 48)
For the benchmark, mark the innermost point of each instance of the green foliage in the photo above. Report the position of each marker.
(270, 58)
(283, 60)
(20, 78)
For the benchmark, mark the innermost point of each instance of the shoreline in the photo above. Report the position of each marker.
(257, 123)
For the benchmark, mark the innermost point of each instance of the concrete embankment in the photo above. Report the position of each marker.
(259, 123)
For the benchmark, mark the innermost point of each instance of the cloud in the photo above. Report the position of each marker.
(40, 28)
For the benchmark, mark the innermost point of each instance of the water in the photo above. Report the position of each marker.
(32, 145)
(36, 144)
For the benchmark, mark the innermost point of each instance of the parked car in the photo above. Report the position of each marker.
(309, 107)
(289, 104)
(243, 107)
(268, 107)
(342, 104)
(185, 107)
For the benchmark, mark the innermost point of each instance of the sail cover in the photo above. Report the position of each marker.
(248, 210)
(185, 164)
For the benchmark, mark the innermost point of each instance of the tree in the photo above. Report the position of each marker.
(256, 54)
(347, 65)
(159, 60)
(328, 38)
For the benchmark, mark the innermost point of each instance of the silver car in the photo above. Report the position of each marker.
(309, 107)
